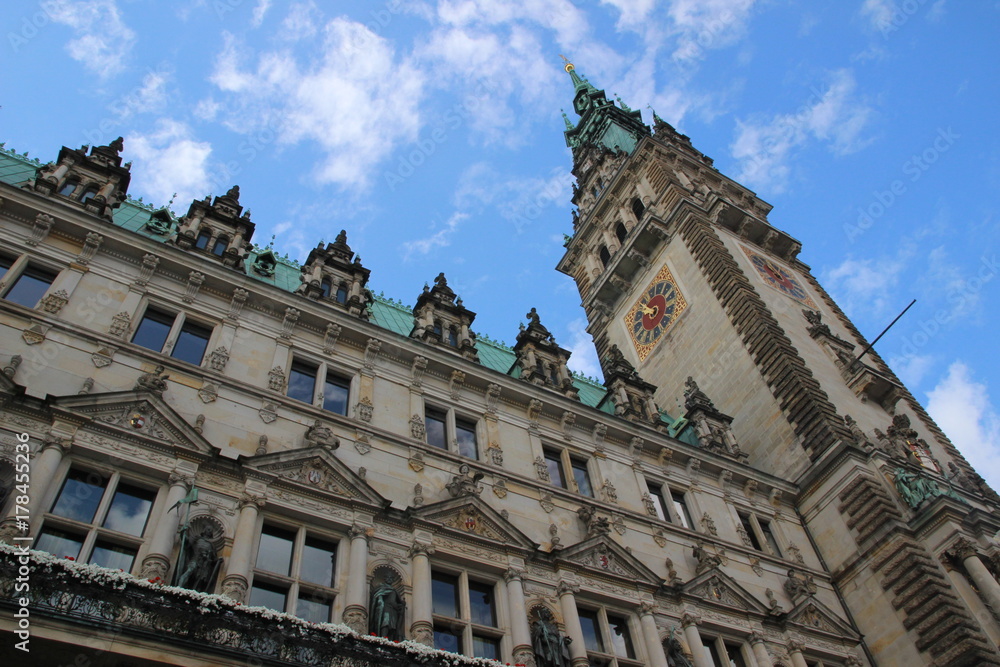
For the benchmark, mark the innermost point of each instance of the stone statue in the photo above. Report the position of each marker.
(387, 609)
(912, 488)
(675, 651)
(440, 281)
(154, 383)
(549, 647)
(202, 564)
(234, 192)
(322, 436)
(117, 146)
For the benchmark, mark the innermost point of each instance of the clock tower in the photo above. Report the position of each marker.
(681, 273)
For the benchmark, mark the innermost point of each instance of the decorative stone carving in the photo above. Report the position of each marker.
(799, 584)
(120, 325)
(595, 525)
(416, 460)
(276, 379)
(495, 454)
(330, 337)
(154, 383)
(218, 359)
(492, 398)
(534, 410)
(208, 392)
(195, 279)
(672, 578)
(608, 492)
(545, 500)
(418, 495)
(88, 384)
(319, 435)
(659, 537)
(542, 469)
(288, 322)
(708, 524)
(364, 409)
(261, 446)
(465, 483)
(237, 302)
(417, 371)
(650, 505)
(104, 355)
(706, 559)
(418, 430)
(455, 384)
(34, 333)
(499, 487)
(10, 370)
(54, 302)
(268, 412)
(40, 228)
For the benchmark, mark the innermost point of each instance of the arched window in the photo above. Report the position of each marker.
(325, 287)
(68, 188)
(638, 208)
(203, 238)
(605, 255)
(341, 293)
(88, 194)
(220, 246)
(621, 232)
(437, 330)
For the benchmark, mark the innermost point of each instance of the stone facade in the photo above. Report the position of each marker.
(342, 445)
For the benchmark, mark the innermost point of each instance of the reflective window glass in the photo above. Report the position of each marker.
(434, 422)
(80, 495)
(318, 562)
(465, 433)
(335, 394)
(111, 555)
(481, 605)
(30, 286)
(59, 543)
(275, 551)
(265, 595)
(302, 382)
(191, 343)
(129, 509)
(444, 593)
(153, 329)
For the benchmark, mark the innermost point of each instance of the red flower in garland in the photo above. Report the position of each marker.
(70, 558)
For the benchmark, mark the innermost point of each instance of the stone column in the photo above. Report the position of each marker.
(422, 627)
(237, 579)
(356, 611)
(795, 653)
(161, 544)
(571, 620)
(760, 653)
(651, 635)
(690, 623)
(989, 589)
(520, 633)
(43, 472)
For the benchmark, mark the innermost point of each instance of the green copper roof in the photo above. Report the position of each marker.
(601, 122)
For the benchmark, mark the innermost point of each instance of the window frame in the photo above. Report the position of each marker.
(569, 462)
(94, 533)
(454, 422)
(292, 582)
(181, 319)
(463, 624)
(608, 655)
(19, 266)
(325, 371)
(719, 645)
(761, 529)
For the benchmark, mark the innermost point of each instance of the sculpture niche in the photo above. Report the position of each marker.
(387, 609)
(201, 563)
(549, 646)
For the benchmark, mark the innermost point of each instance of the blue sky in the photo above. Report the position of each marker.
(431, 132)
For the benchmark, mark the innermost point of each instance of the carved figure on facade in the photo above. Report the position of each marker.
(319, 435)
(550, 647)
(860, 437)
(596, 525)
(542, 469)
(914, 488)
(387, 609)
(203, 562)
(674, 650)
(465, 483)
(706, 559)
(154, 383)
(799, 584)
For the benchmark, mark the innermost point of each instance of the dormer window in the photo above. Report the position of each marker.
(88, 194)
(68, 188)
(219, 248)
(341, 294)
(204, 236)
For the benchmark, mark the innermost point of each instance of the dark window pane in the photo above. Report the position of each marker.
(658, 503)
(341, 294)
(275, 551)
(318, 560)
(765, 528)
(680, 507)
(582, 478)
(111, 555)
(485, 647)
(591, 631)
(59, 543)
(313, 610)
(265, 595)
(129, 510)
(447, 640)
(335, 394)
(68, 188)
(219, 247)
(444, 593)
(153, 329)
(5, 264)
(88, 194)
(202, 241)
(191, 343)
(620, 637)
(711, 652)
(30, 286)
(80, 496)
(735, 655)
(434, 422)
(452, 337)
(465, 433)
(481, 604)
(554, 465)
(745, 521)
(302, 382)
(324, 287)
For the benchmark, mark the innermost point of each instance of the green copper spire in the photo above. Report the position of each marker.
(579, 83)
(602, 124)
(569, 125)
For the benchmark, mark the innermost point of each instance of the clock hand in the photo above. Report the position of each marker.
(646, 310)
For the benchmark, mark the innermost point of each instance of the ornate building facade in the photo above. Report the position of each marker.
(230, 452)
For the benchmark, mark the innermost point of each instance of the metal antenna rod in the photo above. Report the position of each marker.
(872, 344)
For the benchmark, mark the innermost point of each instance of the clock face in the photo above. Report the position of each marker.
(778, 277)
(653, 313)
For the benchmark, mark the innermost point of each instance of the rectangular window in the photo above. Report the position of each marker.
(465, 435)
(591, 631)
(295, 572)
(465, 615)
(89, 502)
(336, 393)
(302, 381)
(5, 264)
(447, 639)
(153, 329)
(659, 504)
(769, 539)
(750, 532)
(29, 287)
(481, 607)
(553, 462)
(582, 477)
(192, 341)
(444, 593)
(621, 640)
(435, 422)
(681, 509)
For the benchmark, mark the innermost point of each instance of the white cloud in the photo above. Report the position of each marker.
(962, 408)
(879, 13)
(207, 109)
(167, 161)
(301, 21)
(439, 239)
(103, 41)
(912, 369)
(633, 13)
(764, 147)
(866, 285)
(581, 346)
(707, 24)
(518, 199)
(350, 97)
(259, 12)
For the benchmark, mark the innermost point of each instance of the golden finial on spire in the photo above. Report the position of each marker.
(569, 66)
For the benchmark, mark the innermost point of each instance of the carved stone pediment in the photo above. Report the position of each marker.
(472, 517)
(602, 554)
(717, 587)
(317, 469)
(814, 615)
(135, 415)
